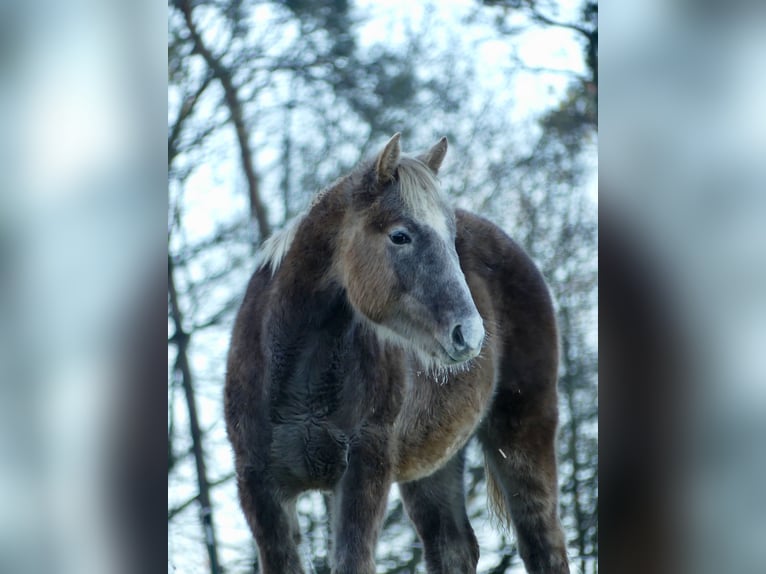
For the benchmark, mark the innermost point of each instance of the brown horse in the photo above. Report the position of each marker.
(379, 333)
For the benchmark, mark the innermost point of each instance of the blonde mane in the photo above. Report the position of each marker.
(422, 194)
(415, 178)
(274, 249)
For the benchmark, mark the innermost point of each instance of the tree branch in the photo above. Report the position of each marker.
(187, 107)
(504, 564)
(543, 19)
(182, 367)
(173, 512)
(226, 78)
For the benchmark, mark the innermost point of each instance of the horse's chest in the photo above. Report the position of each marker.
(436, 421)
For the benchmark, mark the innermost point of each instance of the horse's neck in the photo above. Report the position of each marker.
(312, 245)
(321, 348)
(325, 362)
(305, 344)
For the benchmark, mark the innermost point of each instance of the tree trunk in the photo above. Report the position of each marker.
(182, 369)
(225, 77)
(570, 366)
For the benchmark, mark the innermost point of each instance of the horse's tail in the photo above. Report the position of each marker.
(495, 498)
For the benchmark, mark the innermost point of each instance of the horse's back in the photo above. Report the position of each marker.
(514, 300)
(518, 432)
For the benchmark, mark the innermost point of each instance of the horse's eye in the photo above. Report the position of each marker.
(399, 238)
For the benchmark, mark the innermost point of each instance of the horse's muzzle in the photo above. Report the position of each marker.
(466, 339)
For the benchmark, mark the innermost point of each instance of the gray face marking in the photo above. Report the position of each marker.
(437, 316)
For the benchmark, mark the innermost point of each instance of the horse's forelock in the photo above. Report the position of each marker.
(421, 193)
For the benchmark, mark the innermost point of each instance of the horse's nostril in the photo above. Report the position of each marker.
(457, 336)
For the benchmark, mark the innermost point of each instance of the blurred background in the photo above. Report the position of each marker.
(270, 101)
(94, 413)
(682, 274)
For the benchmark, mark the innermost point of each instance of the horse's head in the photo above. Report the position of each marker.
(398, 259)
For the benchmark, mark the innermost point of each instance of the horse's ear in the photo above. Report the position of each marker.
(433, 157)
(388, 159)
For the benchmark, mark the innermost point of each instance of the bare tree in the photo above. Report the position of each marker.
(181, 367)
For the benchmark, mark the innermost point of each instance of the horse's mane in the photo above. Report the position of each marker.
(418, 186)
(275, 248)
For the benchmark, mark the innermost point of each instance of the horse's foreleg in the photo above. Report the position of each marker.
(519, 450)
(273, 522)
(359, 506)
(436, 505)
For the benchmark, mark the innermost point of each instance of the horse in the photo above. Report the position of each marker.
(380, 332)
